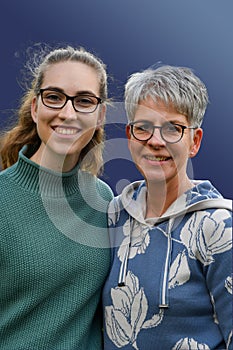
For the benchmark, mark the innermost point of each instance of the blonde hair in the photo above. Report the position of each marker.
(25, 132)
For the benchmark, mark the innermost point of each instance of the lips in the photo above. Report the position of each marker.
(65, 130)
(157, 158)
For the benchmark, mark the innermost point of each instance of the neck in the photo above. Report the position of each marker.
(53, 161)
(161, 195)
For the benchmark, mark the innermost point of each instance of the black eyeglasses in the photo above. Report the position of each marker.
(170, 133)
(82, 103)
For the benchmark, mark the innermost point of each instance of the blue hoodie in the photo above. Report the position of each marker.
(170, 285)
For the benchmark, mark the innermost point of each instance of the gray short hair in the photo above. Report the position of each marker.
(178, 87)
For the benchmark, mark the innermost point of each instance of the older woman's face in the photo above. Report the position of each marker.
(157, 159)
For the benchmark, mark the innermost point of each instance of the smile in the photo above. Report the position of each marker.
(157, 158)
(66, 131)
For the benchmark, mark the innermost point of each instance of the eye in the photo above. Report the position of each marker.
(172, 128)
(143, 127)
(53, 97)
(85, 101)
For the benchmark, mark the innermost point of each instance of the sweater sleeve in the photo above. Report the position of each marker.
(104, 190)
(219, 272)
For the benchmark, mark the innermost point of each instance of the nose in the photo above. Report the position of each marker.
(156, 139)
(68, 112)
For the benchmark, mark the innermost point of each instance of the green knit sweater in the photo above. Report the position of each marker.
(54, 258)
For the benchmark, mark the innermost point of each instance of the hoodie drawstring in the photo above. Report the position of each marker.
(164, 299)
(124, 263)
(123, 268)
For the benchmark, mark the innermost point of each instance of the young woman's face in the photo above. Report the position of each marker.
(156, 159)
(65, 132)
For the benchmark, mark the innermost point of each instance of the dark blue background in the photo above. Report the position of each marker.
(130, 35)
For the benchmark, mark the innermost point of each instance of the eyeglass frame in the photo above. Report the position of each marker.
(71, 98)
(183, 127)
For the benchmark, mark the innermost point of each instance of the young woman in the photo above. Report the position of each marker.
(53, 252)
(170, 285)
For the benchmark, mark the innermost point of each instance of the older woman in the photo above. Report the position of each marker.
(170, 283)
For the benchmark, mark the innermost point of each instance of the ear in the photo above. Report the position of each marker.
(34, 109)
(127, 131)
(197, 137)
(101, 116)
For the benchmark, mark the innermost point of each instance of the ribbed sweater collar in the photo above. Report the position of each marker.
(37, 179)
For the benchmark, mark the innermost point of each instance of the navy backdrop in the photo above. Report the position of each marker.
(131, 35)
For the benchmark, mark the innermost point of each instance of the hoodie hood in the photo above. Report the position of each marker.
(203, 195)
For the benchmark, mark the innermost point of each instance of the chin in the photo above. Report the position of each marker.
(63, 153)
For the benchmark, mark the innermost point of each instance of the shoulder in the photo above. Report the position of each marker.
(93, 188)
(129, 199)
(115, 205)
(104, 189)
(5, 180)
(212, 219)
(210, 226)
(4, 173)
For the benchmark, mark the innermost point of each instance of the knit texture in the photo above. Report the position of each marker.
(54, 258)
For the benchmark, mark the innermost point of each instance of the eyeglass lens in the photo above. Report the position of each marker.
(169, 132)
(81, 103)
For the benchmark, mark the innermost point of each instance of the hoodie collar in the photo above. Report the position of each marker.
(133, 198)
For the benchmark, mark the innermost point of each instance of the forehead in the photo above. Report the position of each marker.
(157, 112)
(72, 77)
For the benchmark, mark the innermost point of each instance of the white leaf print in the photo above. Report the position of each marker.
(205, 234)
(126, 227)
(125, 317)
(154, 321)
(113, 212)
(138, 312)
(221, 215)
(122, 299)
(117, 327)
(189, 344)
(132, 282)
(139, 239)
(228, 284)
(179, 271)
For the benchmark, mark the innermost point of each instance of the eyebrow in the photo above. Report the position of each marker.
(165, 122)
(82, 92)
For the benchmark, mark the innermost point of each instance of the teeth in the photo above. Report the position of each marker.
(66, 131)
(158, 159)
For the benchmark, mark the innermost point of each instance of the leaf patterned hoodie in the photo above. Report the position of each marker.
(170, 284)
